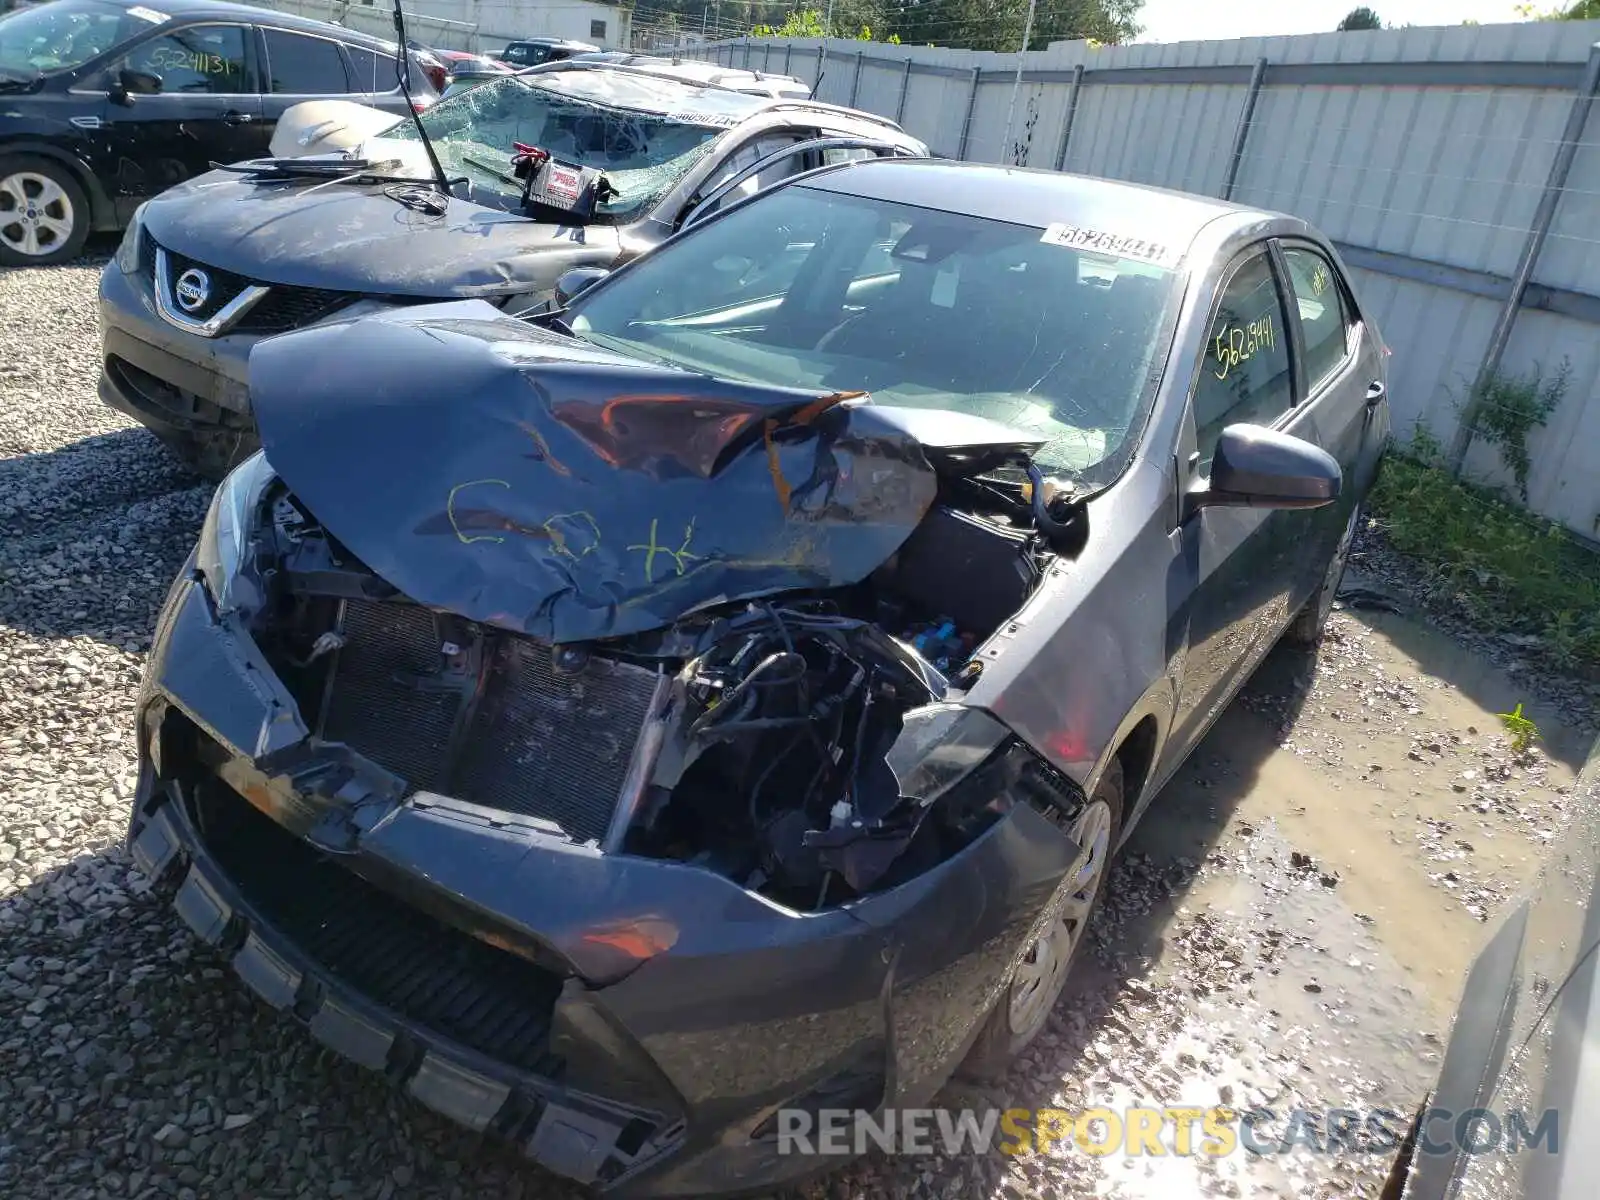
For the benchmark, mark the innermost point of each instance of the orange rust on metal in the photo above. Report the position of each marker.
(821, 405)
(804, 417)
(545, 455)
(774, 467)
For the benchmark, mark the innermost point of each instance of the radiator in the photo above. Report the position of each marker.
(506, 731)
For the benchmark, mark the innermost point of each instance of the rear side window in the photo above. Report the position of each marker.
(1320, 310)
(371, 71)
(1244, 377)
(304, 66)
(203, 59)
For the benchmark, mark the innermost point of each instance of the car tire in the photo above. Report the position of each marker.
(1306, 628)
(1025, 1004)
(44, 212)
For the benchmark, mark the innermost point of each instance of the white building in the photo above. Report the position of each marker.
(478, 25)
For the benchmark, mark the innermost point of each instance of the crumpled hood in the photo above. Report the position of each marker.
(356, 239)
(535, 482)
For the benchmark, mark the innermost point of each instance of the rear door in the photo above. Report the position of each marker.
(298, 67)
(1341, 371)
(207, 109)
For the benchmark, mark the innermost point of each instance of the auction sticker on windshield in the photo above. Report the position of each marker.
(692, 116)
(147, 14)
(1076, 237)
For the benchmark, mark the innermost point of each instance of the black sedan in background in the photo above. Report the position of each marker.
(725, 695)
(104, 103)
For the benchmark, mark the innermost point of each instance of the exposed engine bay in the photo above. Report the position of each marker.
(663, 614)
(753, 738)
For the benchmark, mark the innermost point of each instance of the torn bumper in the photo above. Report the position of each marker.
(629, 1023)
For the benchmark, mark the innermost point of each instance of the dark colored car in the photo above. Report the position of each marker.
(724, 695)
(535, 52)
(104, 103)
(1511, 1112)
(284, 248)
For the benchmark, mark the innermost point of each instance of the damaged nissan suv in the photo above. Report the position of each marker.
(491, 194)
(720, 699)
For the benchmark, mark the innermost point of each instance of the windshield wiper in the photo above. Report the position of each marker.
(402, 73)
(10, 82)
(355, 170)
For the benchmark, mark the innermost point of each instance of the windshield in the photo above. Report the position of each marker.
(643, 132)
(67, 34)
(921, 308)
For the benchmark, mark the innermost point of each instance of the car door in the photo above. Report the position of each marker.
(1342, 380)
(1242, 562)
(203, 108)
(297, 67)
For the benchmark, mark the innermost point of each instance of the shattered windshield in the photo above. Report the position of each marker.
(67, 34)
(643, 132)
(920, 308)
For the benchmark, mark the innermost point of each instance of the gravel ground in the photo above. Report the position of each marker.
(1239, 960)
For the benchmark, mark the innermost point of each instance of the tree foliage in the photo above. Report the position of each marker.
(975, 24)
(1360, 18)
(1579, 10)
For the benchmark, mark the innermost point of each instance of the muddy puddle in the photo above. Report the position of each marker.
(1354, 821)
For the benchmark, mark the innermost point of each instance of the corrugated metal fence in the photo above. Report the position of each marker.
(1458, 169)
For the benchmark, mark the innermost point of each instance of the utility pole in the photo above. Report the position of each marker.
(822, 59)
(1016, 84)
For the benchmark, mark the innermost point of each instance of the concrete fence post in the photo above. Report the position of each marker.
(1071, 115)
(972, 104)
(905, 86)
(1554, 185)
(1242, 134)
(855, 80)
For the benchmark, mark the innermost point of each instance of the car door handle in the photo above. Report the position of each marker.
(234, 117)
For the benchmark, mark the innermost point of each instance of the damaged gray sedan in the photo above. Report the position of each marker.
(723, 697)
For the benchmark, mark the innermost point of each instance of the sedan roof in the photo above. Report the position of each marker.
(1030, 197)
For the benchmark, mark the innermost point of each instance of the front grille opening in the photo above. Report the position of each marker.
(284, 308)
(397, 956)
(157, 394)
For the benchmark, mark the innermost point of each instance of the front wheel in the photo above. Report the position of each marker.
(1023, 1008)
(44, 213)
(1308, 624)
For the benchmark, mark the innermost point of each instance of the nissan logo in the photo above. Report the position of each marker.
(193, 289)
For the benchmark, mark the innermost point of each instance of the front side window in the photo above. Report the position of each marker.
(748, 155)
(812, 289)
(1320, 311)
(203, 59)
(304, 66)
(643, 133)
(1244, 376)
(65, 35)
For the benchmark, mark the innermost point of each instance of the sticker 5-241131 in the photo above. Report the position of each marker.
(1076, 237)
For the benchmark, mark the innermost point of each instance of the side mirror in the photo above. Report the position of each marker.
(576, 281)
(128, 84)
(1254, 467)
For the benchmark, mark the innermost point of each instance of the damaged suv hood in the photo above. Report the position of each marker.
(538, 483)
(354, 238)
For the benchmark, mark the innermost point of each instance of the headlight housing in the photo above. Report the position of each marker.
(939, 745)
(127, 258)
(225, 537)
